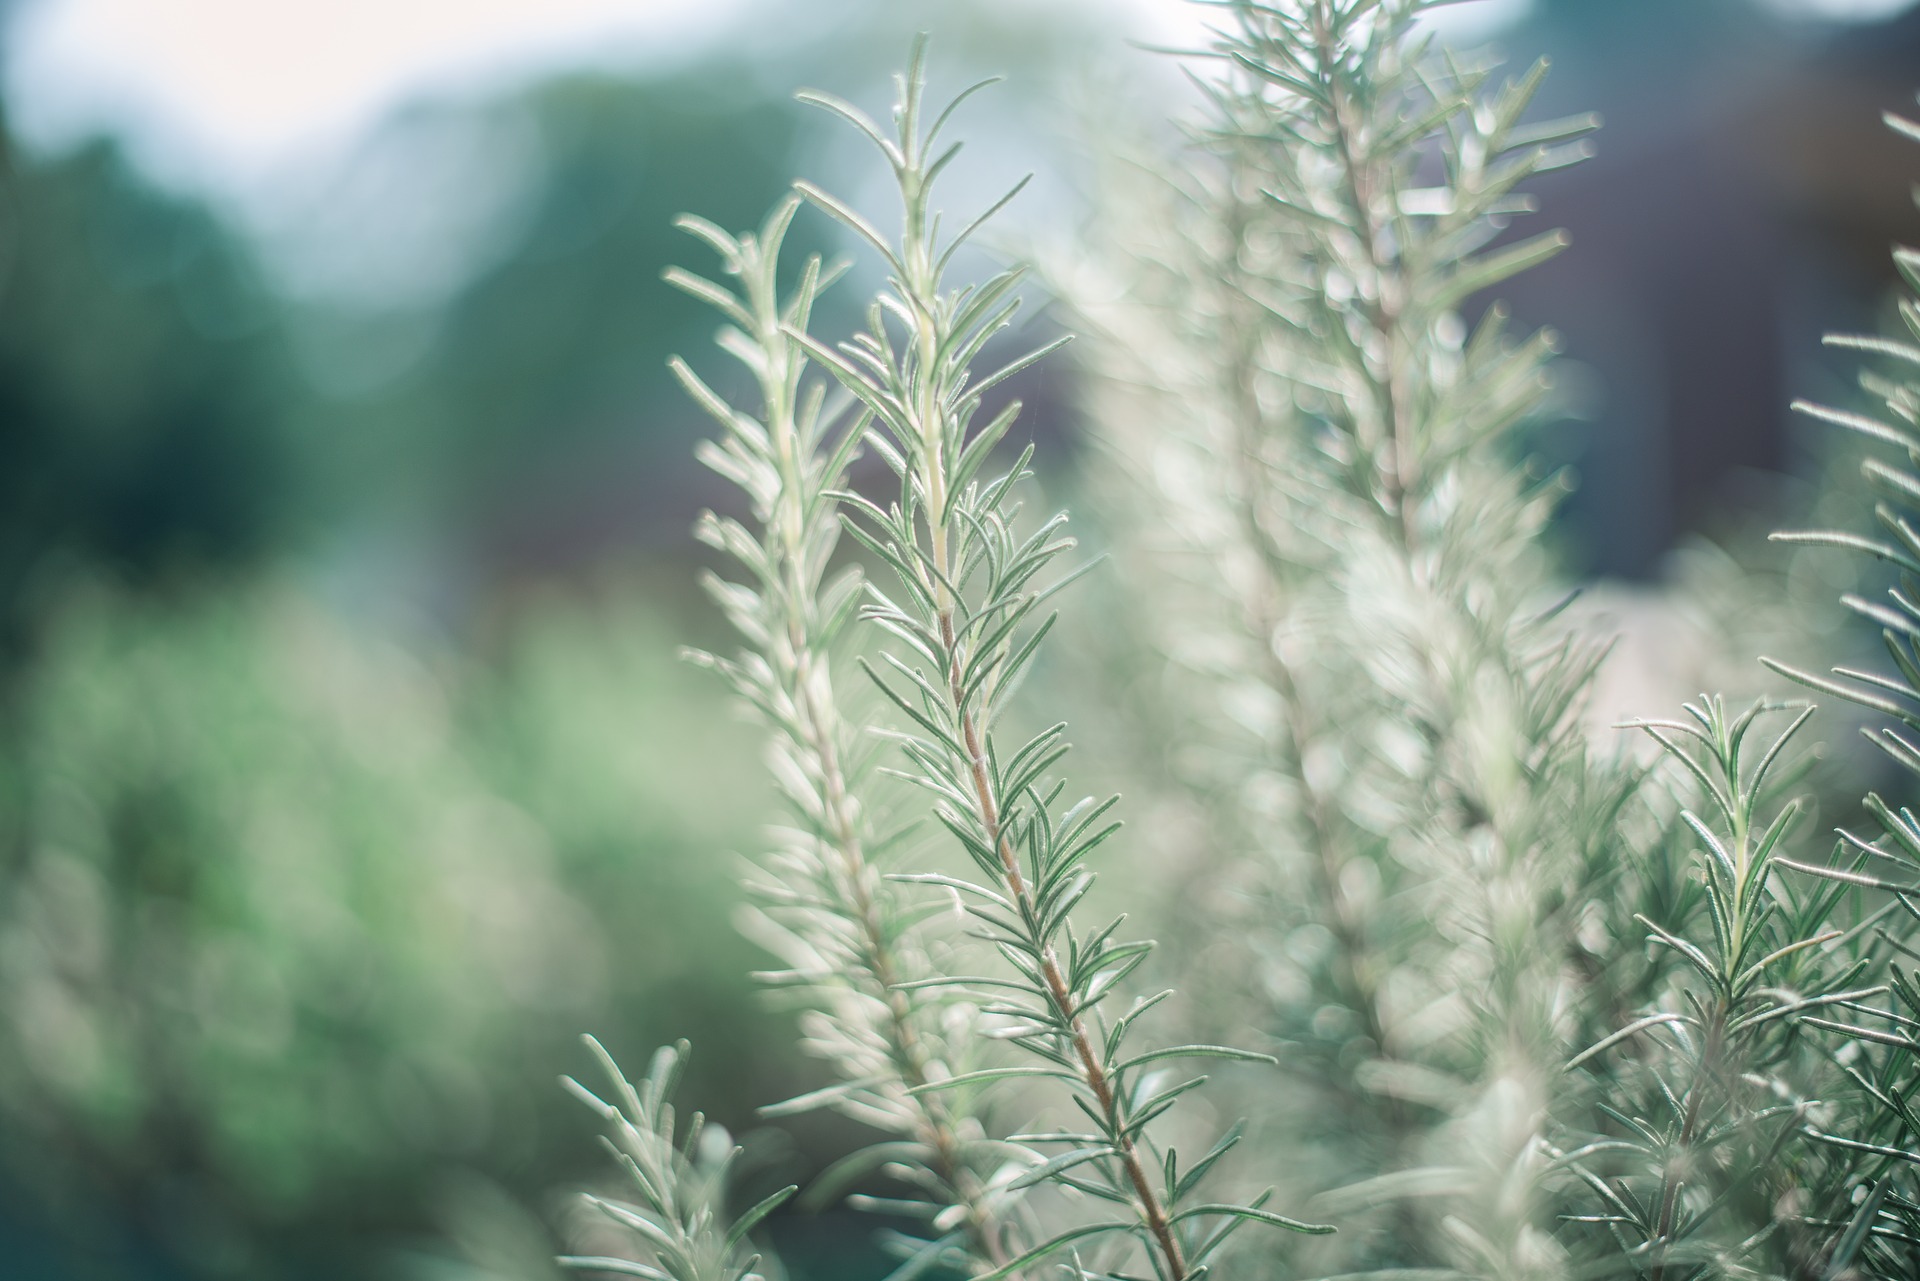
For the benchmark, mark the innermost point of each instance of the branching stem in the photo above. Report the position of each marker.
(1689, 1128)
(916, 1065)
(1092, 1069)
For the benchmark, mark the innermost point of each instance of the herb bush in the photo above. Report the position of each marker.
(1490, 997)
(293, 917)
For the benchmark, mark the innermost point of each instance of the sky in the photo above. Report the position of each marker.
(214, 92)
(1840, 10)
(249, 101)
(211, 89)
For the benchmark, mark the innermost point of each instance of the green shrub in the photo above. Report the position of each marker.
(1512, 1004)
(294, 917)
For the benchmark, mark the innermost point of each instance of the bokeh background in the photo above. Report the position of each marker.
(347, 768)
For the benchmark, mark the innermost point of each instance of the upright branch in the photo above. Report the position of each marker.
(824, 908)
(1389, 604)
(1880, 1130)
(966, 614)
(1703, 1092)
(1354, 99)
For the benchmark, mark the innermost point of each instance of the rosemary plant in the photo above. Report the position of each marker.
(1484, 1074)
(824, 907)
(1336, 453)
(1880, 1129)
(1779, 1133)
(679, 1221)
(1702, 1171)
(966, 619)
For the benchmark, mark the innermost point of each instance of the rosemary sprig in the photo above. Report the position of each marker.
(967, 619)
(824, 907)
(1703, 1096)
(678, 1223)
(1374, 605)
(1876, 1231)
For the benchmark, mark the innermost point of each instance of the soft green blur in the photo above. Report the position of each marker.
(297, 918)
(348, 770)
(348, 766)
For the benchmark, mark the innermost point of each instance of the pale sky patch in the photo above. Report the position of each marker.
(1839, 10)
(225, 93)
(210, 88)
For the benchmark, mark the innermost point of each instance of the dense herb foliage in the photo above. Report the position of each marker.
(1704, 1100)
(1398, 773)
(965, 621)
(1535, 1009)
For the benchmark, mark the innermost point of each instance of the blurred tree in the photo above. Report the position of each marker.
(143, 386)
(537, 429)
(536, 432)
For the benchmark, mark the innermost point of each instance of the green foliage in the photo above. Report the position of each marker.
(1485, 1074)
(205, 916)
(971, 584)
(1876, 1132)
(966, 621)
(1518, 1009)
(1395, 766)
(250, 854)
(1707, 1096)
(638, 824)
(1878, 1126)
(681, 1179)
(855, 958)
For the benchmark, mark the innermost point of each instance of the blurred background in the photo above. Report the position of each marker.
(347, 769)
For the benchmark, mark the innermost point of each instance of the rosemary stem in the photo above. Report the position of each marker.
(1092, 1070)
